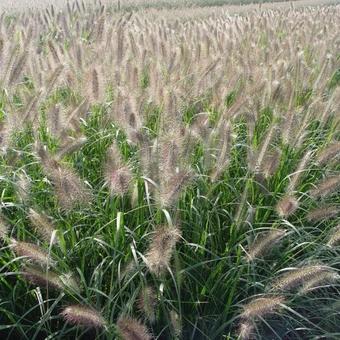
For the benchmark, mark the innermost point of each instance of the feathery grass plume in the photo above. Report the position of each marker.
(271, 163)
(131, 329)
(128, 270)
(223, 151)
(3, 228)
(326, 187)
(161, 248)
(169, 149)
(71, 121)
(43, 226)
(44, 279)
(258, 157)
(315, 283)
(260, 307)
(9, 60)
(296, 176)
(289, 126)
(329, 154)
(119, 181)
(32, 252)
(30, 109)
(334, 238)
(95, 89)
(17, 68)
(264, 243)
(299, 276)
(54, 52)
(287, 206)
(118, 175)
(176, 323)
(69, 188)
(324, 213)
(71, 145)
(134, 196)
(69, 281)
(147, 303)
(49, 164)
(23, 187)
(246, 330)
(52, 79)
(94, 81)
(200, 126)
(170, 187)
(3, 137)
(80, 315)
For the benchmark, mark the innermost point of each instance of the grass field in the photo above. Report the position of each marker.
(124, 5)
(170, 174)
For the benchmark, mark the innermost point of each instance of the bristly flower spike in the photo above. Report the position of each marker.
(131, 329)
(80, 315)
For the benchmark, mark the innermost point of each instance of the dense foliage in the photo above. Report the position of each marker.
(169, 178)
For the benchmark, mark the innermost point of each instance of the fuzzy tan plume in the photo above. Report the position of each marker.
(161, 248)
(80, 315)
(131, 329)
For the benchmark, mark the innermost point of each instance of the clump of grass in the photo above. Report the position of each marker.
(138, 153)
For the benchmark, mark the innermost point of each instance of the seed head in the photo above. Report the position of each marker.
(131, 329)
(161, 249)
(45, 279)
(71, 145)
(326, 187)
(264, 243)
(331, 153)
(147, 303)
(258, 157)
(3, 228)
(69, 188)
(171, 187)
(287, 206)
(324, 213)
(176, 323)
(246, 330)
(43, 226)
(118, 175)
(297, 175)
(323, 278)
(23, 186)
(271, 163)
(334, 239)
(119, 181)
(32, 252)
(80, 315)
(259, 307)
(299, 276)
